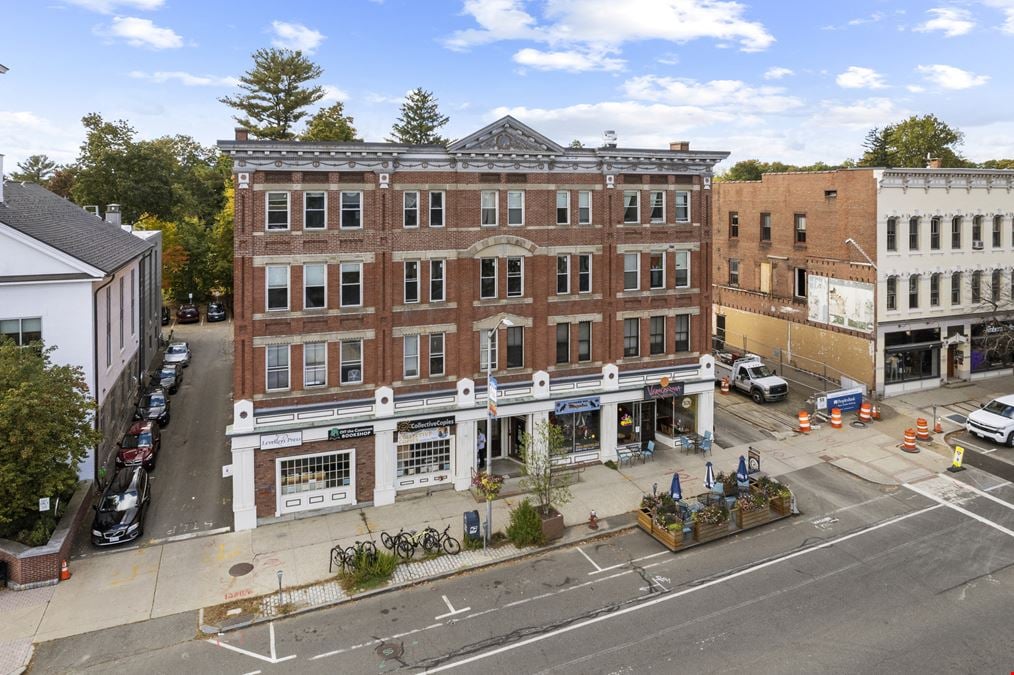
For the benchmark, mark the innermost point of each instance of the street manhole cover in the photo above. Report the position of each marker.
(239, 569)
(390, 650)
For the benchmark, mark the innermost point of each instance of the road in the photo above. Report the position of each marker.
(869, 579)
(189, 495)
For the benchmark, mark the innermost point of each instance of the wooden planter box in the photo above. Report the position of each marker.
(780, 505)
(704, 532)
(747, 519)
(671, 539)
(644, 520)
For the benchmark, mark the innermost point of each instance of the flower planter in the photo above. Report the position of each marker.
(671, 539)
(552, 525)
(752, 518)
(644, 520)
(780, 504)
(706, 532)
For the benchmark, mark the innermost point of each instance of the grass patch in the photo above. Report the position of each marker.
(213, 616)
(368, 573)
(611, 464)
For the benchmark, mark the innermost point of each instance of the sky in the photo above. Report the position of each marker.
(797, 81)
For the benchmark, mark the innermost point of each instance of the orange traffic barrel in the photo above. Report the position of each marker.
(922, 429)
(909, 444)
(836, 418)
(804, 422)
(875, 411)
(865, 412)
(725, 385)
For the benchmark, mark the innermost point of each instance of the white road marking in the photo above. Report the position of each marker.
(979, 492)
(451, 610)
(253, 672)
(588, 558)
(273, 658)
(977, 448)
(189, 535)
(374, 642)
(624, 564)
(963, 511)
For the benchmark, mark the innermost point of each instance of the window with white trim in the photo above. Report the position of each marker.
(516, 347)
(892, 292)
(562, 274)
(997, 231)
(277, 367)
(487, 278)
(351, 210)
(892, 234)
(584, 282)
(682, 206)
(515, 277)
(956, 232)
(21, 331)
(935, 233)
(488, 348)
(631, 206)
(977, 286)
(410, 356)
(562, 207)
(123, 283)
(318, 472)
(426, 457)
(133, 311)
(935, 289)
(436, 209)
(314, 210)
(733, 272)
(631, 271)
(563, 343)
(437, 281)
(799, 282)
(278, 210)
(913, 234)
(631, 337)
(656, 270)
(490, 207)
(411, 281)
(955, 288)
(657, 198)
(278, 287)
(682, 333)
(515, 207)
(682, 269)
(913, 291)
(315, 286)
(410, 208)
(584, 207)
(315, 364)
(799, 225)
(351, 361)
(976, 228)
(656, 335)
(437, 343)
(351, 284)
(584, 350)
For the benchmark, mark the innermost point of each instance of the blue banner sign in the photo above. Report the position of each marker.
(845, 400)
(577, 405)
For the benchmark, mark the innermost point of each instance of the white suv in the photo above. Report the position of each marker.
(994, 421)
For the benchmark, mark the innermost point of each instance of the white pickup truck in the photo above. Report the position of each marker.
(749, 375)
(994, 421)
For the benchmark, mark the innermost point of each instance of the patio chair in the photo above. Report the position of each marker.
(705, 444)
(648, 451)
(685, 444)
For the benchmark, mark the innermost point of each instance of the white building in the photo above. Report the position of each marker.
(74, 281)
(945, 251)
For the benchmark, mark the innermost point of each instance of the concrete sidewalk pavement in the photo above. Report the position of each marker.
(115, 588)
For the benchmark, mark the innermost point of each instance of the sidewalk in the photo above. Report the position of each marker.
(184, 576)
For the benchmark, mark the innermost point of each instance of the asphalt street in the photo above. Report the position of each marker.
(868, 579)
(189, 495)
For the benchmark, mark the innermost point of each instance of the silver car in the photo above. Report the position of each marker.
(177, 352)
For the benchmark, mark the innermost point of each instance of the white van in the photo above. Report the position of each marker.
(994, 421)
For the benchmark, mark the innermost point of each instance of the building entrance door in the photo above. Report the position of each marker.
(515, 428)
(951, 356)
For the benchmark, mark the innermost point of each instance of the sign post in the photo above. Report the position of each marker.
(959, 456)
(43, 503)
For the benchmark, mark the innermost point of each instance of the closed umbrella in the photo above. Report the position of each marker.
(741, 475)
(674, 490)
(709, 476)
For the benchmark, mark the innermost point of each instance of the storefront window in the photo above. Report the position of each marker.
(911, 355)
(427, 457)
(321, 472)
(635, 422)
(580, 430)
(992, 347)
(676, 415)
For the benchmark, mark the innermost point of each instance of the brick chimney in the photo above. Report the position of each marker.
(933, 163)
(679, 146)
(242, 134)
(113, 214)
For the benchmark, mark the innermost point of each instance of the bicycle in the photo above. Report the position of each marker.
(408, 542)
(341, 561)
(348, 558)
(391, 542)
(446, 541)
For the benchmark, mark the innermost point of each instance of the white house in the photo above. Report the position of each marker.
(74, 281)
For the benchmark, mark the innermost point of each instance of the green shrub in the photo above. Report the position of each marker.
(525, 528)
(39, 533)
(611, 464)
(369, 572)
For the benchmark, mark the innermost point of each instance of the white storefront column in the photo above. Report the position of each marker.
(385, 466)
(464, 454)
(706, 396)
(607, 432)
(244, 503)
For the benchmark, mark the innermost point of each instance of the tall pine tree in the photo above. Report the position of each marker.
(275, 94)
(419, 120)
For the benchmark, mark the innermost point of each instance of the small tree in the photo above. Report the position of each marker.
(996, 307)
(538, 451)
(36, 169)
(330, 124)
(419, 120)
(274, 94)
(45, 431)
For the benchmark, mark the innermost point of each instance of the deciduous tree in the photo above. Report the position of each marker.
(330, 124)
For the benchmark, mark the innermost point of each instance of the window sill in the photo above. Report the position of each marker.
(574, 297)
(415, 307)
(499, 302)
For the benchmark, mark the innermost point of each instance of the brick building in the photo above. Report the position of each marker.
(374, 280)
(895, 279)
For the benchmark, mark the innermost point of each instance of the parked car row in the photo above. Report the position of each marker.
(191, 313)
(119, 512)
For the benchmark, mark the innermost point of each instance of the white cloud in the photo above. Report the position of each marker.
(866, 113)
(572, 61)
(599, 27)
(144, 33)
(1007, 7)
(915, 88)
(110, 6)
(857, 77)
(186, 79)
(732, 95)
(296, 36)
(333, 93)
(669, 59)
(950, 21)
(949, 77)
(777, 73)
(23, 133)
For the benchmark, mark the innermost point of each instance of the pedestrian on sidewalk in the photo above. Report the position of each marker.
(480, 445)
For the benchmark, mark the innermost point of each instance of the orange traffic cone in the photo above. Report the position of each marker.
(938, 428)
(64, 571)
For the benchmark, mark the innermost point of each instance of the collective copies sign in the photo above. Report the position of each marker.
(422, 431)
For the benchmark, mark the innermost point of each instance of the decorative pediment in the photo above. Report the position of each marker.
(506, 136)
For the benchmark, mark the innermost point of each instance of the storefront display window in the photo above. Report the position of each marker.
(635, 422)
(307, 474)
(676, 415)
(992, 347)
(580, 430)
(911, 355)
(427, 457)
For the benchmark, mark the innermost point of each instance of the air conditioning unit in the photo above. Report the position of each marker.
(977, 245)
(610, 181)
(385, 179)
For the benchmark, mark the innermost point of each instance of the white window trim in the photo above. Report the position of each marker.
(406, 341)
(676, 257)
(589, 193)
(590, 279)
(566, 275)
(650, 255)
(314, 192)
(288, 210)
(443, 208)
(556, 343)
(341, 209)
(341, 285)
(676, 209)
(267, 288)
(322, 384)
(521, 275)
(556, 207)
(664, 331)
(496, 208)
(418, 280)
(795, 281)
(324, 265)
(405, 209)
(676, 333)
(341, 363)
(496, 279)
(637, 205)
(651, 206)
(509, 193)
(577, 346)
(443, 280)
(288, 367)
(508, 348)
(442, 353)
(637, 269)
(489, 343)
(133, 300)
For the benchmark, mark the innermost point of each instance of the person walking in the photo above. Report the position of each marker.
(480, 445)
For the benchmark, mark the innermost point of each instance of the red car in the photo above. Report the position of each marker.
(140, 445)
(188, 314)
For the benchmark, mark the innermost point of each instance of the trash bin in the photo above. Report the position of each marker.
(471, 531)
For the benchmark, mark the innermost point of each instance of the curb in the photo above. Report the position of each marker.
(590, 536)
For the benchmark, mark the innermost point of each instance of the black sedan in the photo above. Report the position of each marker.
(119, 515)
(216, 311)
(154, 406)
(165, 315)
(188, 314)
(168, 378)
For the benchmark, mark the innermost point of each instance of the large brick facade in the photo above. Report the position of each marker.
(389, 251)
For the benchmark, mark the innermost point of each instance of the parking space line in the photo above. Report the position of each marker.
(961, 510)
(451, 610)
(588, 558)
(624, 564)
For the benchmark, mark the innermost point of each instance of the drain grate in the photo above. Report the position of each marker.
(390, 650)
(957, 419)
(240, 569)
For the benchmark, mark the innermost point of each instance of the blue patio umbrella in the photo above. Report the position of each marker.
(674, 489)
(741, 475)
(709, 476)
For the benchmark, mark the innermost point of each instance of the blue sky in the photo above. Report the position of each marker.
(791, 80)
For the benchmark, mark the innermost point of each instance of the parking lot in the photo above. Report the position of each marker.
(189, 495)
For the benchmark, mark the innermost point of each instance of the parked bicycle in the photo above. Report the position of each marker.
(444, 540)
(347, 559)
(408, 542)
(391, 542)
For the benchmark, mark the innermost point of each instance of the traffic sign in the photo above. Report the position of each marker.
(959, 457)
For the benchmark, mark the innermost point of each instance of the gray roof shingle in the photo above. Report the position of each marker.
(51, 219)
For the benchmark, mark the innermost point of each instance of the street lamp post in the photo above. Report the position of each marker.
(490, 403)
